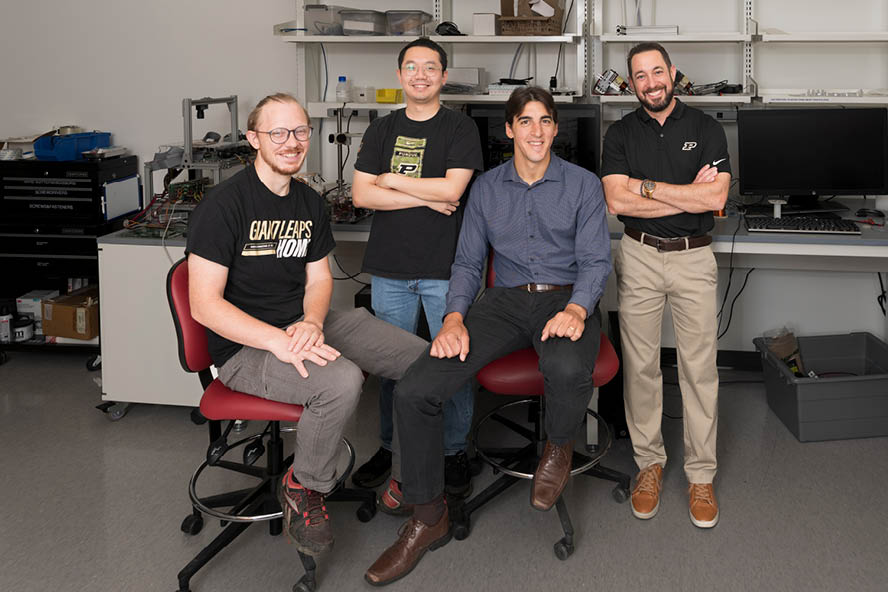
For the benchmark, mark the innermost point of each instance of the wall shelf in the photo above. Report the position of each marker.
(295, 37)
(686, 99)
(319, 108)
(831, 97)
(680, 38)
(824, 37)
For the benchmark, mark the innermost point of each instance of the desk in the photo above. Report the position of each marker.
(817, 284)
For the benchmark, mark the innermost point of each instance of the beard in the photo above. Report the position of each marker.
(664, 102)
(288, 170)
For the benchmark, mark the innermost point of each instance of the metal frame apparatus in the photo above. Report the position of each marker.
(187, 160)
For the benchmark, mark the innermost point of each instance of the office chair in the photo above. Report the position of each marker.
(219, 403)
(518, 374)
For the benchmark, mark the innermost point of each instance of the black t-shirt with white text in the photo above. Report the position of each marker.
(265, 241)
(417, 243)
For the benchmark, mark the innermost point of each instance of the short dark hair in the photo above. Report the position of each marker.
(524, 95)
(428, 43)
(646, 46)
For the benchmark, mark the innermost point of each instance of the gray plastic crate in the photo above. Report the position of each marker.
(850, 400)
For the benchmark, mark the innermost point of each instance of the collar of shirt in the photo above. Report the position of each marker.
(554, 172)
(677, 112)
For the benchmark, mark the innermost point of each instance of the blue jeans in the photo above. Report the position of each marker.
(397, 302)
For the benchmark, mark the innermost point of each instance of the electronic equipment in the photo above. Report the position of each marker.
(806, 153)
(802, 224)
(577, 141)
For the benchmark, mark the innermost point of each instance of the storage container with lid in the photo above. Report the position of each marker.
(363, 22)
(406, 22)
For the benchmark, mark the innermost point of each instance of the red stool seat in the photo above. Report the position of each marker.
(220, 402)
(518, 373)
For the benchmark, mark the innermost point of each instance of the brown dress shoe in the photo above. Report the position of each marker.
(414, 539)
(551, 475)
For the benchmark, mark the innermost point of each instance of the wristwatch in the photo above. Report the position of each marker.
(647, 188)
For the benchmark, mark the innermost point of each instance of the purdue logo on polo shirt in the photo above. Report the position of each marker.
(689, 146)
(282, 238)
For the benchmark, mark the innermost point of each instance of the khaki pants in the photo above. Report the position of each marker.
(646, 278)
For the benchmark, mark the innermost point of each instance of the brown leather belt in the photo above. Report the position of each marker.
(543, 287)
(681, 243)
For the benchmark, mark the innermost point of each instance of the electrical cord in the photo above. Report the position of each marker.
(736, 296)
(730, 272)
(348, 276)
(883, 296)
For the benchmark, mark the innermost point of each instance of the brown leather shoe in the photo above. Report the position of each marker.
(646, 495)
(551, 475)
(414, 539)
(702, 505)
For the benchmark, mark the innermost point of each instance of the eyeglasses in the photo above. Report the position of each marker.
(428, 69)
(280, 135)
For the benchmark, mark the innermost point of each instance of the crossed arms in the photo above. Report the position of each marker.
(707, 192)
(390, 191)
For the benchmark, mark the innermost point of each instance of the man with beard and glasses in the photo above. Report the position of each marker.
(261, 285)
(665, 168)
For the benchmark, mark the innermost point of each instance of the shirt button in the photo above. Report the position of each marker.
(531, 236)
(661, 135)
(528, 212)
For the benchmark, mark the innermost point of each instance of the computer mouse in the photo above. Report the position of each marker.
(871, 213)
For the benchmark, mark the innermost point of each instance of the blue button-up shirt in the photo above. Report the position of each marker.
(551, 232)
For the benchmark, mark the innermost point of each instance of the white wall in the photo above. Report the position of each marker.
(124, 66)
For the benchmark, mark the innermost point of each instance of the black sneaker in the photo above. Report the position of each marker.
(457, 478)
(305, 517)
(375, 471)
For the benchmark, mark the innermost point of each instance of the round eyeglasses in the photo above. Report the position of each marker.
(428, 69)
(280, 135)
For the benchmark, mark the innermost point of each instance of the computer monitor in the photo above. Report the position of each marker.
(577, 140)
(803, 154)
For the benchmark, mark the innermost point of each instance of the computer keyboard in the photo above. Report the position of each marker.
(802, 224)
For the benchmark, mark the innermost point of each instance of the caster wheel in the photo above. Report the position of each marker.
(197, 418)
(620, 494)
(563, 550)
(117, 411)
(94, 363)
(366, 512)
(192, 524)
(3, 358)
(305, 584)
(460, 530)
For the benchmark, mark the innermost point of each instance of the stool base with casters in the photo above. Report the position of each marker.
(519, 463)
(258, 503)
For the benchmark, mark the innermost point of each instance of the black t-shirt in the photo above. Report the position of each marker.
(264, 240)
(639, 147)
(417, 243)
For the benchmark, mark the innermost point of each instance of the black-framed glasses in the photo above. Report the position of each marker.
(280, 135)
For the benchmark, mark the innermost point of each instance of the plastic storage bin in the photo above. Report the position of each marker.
(406, 22)
(363, 22)
(850, 400)
(321, 19)
(69, 147)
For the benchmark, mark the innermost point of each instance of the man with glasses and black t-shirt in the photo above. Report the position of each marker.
(261, 285)
(413, 169)
(665, 168)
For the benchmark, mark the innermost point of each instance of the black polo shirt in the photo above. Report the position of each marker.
(638, 146)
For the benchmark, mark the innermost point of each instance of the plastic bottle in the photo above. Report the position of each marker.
(5, 325)
(343, 91)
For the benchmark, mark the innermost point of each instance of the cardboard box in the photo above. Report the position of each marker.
(525, 17)
(484, 23)
(74, 315)
(31, 305)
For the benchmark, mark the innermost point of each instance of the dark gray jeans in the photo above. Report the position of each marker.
(503, 320)
(330, 393)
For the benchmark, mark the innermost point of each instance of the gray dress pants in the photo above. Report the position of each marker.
(330, 393)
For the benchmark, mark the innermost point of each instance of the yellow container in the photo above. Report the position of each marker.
(389, 95)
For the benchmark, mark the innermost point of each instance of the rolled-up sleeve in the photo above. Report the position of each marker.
(592, 247)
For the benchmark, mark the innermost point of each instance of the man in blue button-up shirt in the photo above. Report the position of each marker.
(544, 221)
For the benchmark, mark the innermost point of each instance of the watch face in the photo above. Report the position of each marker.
(649, 185)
